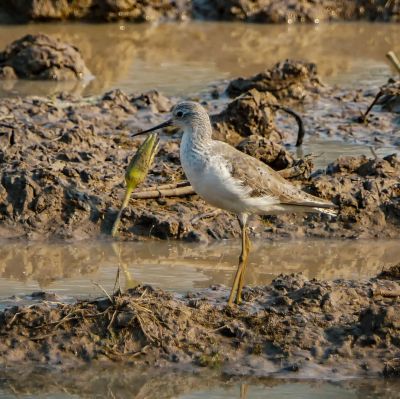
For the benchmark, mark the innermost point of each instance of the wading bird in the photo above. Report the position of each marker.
(229, 179)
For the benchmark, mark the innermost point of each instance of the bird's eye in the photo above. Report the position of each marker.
(179, 114)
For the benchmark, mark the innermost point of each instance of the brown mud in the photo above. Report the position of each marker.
(294, 325)
(62, 161)
(42, 57)
(237, 10)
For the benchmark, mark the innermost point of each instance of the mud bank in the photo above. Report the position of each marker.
(242, 10)
(294, 325)
(62, 161)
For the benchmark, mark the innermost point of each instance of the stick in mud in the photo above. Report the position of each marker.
(297, 117)
(363, 117)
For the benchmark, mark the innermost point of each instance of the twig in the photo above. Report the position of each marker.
(117, 281)
(374, 154)
(219, 328)
(103, 289)
(167, 186)
(175, 192)
(213, 213)
(140, 321)
(393, 58)
(4, 124)
(42, 336)
(387, 293)
(13, 319)
(108, 352)
(112, 319)
(297, 117)
(363, 117)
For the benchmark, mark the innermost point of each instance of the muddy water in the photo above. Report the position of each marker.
(115, 382)
(184, 58)
(72, 270)
(326, 152)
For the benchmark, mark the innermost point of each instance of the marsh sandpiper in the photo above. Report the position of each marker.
(231, 180)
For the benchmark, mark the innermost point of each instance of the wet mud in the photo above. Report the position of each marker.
(62, 161)
(231, 10)
(293, 325)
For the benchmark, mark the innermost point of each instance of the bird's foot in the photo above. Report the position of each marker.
(238, 299)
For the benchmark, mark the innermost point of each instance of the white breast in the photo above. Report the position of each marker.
(210, 177)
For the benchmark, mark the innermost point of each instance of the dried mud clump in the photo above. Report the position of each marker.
(393, 273)
(352, 327)
(367, 192)
(313, 11)
(252, 113)
(42, 57)
(267, 151)
(287, 80)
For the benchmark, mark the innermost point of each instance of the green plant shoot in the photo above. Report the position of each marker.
(137, 171)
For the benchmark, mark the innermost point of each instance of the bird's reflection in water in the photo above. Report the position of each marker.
(72, 268)
(244, 388)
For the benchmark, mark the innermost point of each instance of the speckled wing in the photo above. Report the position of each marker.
(263, 181)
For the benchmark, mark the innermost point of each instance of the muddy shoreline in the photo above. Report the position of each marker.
(62, 160)
(295, 326)
(230, 10)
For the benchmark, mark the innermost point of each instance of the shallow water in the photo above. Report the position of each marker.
(185, 58)
(71, 270)
(328, 151)
(114, 382)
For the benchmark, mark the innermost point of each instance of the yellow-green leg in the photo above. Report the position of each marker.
(241, 279)
(242, 259)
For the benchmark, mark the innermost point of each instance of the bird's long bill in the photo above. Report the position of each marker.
(160, 126)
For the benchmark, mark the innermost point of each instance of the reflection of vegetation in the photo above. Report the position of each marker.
(124, 382)
(130, 282)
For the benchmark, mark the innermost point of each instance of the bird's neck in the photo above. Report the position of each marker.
(197, 136)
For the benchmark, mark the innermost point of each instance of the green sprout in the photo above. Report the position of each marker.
(137, 171)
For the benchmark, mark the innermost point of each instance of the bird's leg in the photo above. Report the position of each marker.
(243, 257)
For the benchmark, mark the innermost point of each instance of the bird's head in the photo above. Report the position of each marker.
(185, 115)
